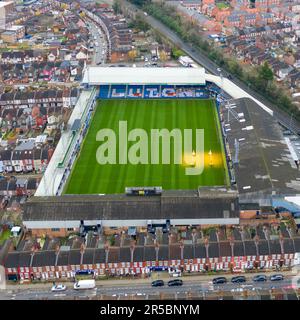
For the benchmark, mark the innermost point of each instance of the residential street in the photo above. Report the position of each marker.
(100, 46)
(120, 289)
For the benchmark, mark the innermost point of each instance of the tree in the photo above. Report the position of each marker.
(139, 23)
(140, 3)
(132, 54)
(265, 72)
(234, 67)
(163, 56)
(117, 7)
(176, 53)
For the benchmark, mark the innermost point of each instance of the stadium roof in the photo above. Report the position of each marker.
(171, 205)
(172, 76)
(266, 165)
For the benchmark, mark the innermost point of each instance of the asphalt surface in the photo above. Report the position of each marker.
(119, 291)
(100, 45)
(282, 117)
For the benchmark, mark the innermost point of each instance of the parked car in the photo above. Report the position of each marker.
(157, 283)
(175, 282)
(175, 274)
(276, 277)
(58, 288)
(219, 280)
(260, 278)
(238, 279)
(237, 290)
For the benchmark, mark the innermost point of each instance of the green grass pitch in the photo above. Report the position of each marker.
(89, 177)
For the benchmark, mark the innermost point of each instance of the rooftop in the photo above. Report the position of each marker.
(172, 76)
(265, 163)
(173, 205)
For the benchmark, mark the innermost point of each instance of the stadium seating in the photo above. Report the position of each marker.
(213, 88)
(118, 91)
(104, 92)
(135, 91)
(151, 91)
(163, 91)
(202, 93)
(168, 92)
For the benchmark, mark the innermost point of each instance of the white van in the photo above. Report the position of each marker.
(84, 284)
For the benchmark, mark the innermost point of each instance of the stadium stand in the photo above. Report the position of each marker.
(118, 91)
(152, 91)
(135, 91)
(160, 91)
(104, 91)
(168, 92)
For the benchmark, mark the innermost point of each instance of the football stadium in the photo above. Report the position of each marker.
(108, 169)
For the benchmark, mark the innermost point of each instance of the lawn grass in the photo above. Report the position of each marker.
(89, 177)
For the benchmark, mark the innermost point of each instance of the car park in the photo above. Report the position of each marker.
(219, 280)
(238, 279)
(157, 283)
(260, 278)
(176, 282)
(276, 277)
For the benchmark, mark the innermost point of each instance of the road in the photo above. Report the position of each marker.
(100, 45)
(143, 290)
(211, 67)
